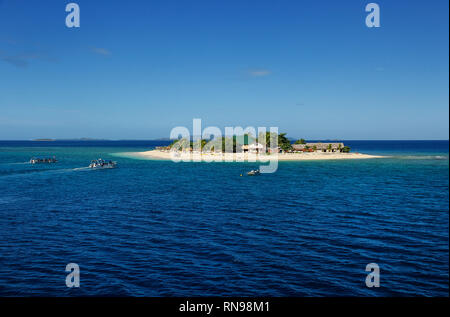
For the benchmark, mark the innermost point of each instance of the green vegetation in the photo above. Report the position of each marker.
(283, 142)
(237, 142)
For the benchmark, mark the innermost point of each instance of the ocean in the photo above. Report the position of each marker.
(158, 228)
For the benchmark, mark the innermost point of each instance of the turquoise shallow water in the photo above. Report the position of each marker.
(156, 228)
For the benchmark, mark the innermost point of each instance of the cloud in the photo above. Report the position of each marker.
(22, 60)
(20, 53)
(15, 60)
(259, 72)
(101, 51)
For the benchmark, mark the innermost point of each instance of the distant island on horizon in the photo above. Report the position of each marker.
(75, 139)
(170, 140)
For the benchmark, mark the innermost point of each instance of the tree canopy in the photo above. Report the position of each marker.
(237, 142)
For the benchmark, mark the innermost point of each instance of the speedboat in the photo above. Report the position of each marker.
(43, 160)
(253, 173)
(100, 163)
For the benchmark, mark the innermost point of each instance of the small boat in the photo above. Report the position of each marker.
(100, 163)
(253, 173)
(43, 160)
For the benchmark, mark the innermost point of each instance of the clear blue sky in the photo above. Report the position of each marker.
(135, 69)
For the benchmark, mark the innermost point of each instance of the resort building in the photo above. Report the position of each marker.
(274, 150)
(318, 147)
(252, 148)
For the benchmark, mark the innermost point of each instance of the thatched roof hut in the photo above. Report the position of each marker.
(254, 147)
(319, 146)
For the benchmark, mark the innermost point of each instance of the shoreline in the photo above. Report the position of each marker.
(241, 157)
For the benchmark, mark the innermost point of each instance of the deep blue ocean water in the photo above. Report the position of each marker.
(158, 228)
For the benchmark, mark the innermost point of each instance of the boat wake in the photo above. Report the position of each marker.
(67, 170)
(80, 169)
(19, 173)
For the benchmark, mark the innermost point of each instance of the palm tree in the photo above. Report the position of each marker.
(300, 141)
(180, 144)
(283, 142)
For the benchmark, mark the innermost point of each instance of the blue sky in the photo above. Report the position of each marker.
(136, 69)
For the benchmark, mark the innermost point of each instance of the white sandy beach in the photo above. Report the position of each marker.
(245, 157)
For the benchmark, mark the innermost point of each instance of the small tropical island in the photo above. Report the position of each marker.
(247, 148)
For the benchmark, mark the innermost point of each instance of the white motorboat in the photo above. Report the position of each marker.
(100, 164)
